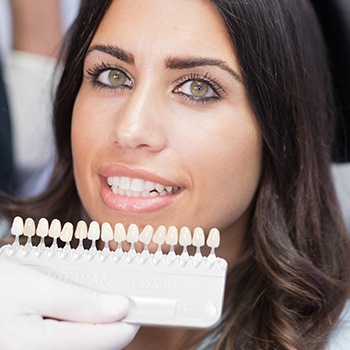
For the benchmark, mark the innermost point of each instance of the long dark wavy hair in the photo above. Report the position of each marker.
(291, 282)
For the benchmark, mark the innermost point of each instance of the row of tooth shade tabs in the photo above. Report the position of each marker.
(162, 235)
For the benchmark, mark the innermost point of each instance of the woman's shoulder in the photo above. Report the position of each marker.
(340, 339)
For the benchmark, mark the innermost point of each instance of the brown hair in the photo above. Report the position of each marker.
(291, 283)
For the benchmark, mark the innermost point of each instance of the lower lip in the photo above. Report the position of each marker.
(134, 204)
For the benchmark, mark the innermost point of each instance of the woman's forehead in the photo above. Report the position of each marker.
(166, 28)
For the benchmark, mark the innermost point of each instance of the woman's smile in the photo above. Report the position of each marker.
(135, 191)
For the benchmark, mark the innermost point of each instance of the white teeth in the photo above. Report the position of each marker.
(67, 232)
(81, 230)
(160, 188)
(119, 233)
(149, 186)
(17, 226)
(43, 228)
(133, 187)
(106, 232)
(29, 227)
(124, 183)
(94, 231)
(137, 185)
(55, 228)
(213, 240)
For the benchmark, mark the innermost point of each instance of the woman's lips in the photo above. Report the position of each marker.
(136, 195)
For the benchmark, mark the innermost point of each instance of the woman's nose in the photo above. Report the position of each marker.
(138, 123)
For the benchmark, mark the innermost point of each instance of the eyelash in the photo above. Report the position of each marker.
(198, 77)
(94, 74)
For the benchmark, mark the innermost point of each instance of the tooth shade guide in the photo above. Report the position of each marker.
(146, 235)
(55, 229)
(159, 238)
(168, 287)
(42, 229)
(106, 232)
(17, 226)
(159, 235)
(160, 241)
(93, 231)
(81, 230)
(29, 227)
(119, 233)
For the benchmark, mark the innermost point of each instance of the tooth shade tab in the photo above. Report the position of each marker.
(55, 228)
(133, 234)
(172, 236)
(185, 236)
(198, 239)
(29, 227)
(213, 240)
(17, 226)
(94, 231)
(146, 235)
(67, 232)
(160, 235)
(119, 233)
(42, 229)
(106, 232)
(81, 230)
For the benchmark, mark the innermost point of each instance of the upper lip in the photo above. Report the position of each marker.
(110, 170)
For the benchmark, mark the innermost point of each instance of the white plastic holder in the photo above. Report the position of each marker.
(170, 291)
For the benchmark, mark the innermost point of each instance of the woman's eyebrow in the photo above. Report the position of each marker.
(171, 63)
(185, 63)
(114, 51)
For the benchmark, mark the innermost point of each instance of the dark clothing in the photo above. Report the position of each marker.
(7, 178)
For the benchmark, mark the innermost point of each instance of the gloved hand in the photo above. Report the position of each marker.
(38, 312)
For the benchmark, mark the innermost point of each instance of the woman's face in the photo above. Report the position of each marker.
(162, 129)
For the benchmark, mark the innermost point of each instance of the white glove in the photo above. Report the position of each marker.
(38, 312)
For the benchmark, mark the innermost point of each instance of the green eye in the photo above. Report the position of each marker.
(199, 88)
(112, 78)
(116, 78)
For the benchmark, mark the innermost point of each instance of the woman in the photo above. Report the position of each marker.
(224, 106)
